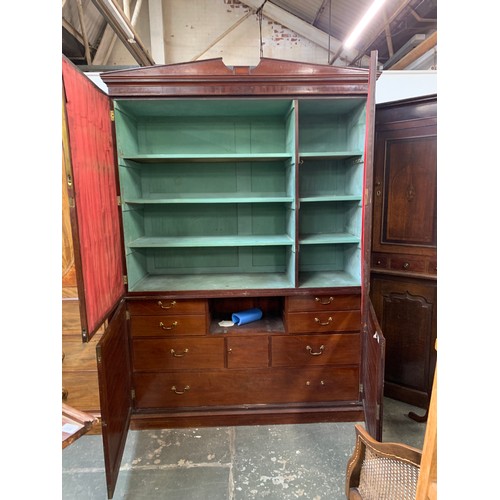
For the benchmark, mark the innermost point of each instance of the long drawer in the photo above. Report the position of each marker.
(167, 326)
(310, 350)
(178, 354)
(329, 321)
(235, 387)
(163, 307)
(323, 303)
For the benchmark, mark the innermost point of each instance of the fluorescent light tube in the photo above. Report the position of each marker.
(369, 15)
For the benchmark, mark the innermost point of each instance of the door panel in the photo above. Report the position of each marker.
(92, 189)
(373, 360)
(115, 392)
(372, 339)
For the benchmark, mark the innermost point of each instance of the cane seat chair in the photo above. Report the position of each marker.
(382, 471)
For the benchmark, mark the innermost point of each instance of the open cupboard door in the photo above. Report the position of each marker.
(372, 338)
(115, 392)
(91, 179)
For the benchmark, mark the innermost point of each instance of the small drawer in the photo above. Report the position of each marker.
(380, 261)
(411, 265)
(324, 322)
(326, 302)
(432, 267)
(168, 326)
(167, 306)
(310, 350)
(178, 354)
(247, 352)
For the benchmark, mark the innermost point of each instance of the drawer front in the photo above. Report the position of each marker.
(166, 307)
(410, 265)
(380, 261)
(310, 350)
(248, 352)
(168, 326)
(323, 303)
(329, 321)
(178, 354)
(238, 387)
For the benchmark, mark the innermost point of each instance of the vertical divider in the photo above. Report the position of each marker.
(293, 131)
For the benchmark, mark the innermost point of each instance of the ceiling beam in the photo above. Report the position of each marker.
(109, 37)
(116, 18)
(417, 52)
(304, 29)
(387, 22)
(220, 37)
(156, 31)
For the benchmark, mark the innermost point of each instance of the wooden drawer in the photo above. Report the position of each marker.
(326, 302)
(166, 307)
(238, 387)
(329, 321)
(247, 352)
(168, 326)
(380, 261)
(309, 350)
(178, 354)
(410, 265)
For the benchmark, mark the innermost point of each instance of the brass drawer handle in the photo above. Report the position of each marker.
(324, 302)
(174, 324)
(318, 353)
(172, 304)
(174, 389)
(321, 382)
(178, 355)
(406, 265)
(326, 323)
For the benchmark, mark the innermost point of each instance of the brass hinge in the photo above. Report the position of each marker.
(71, 202)
(119, 201)
(112, 115)
(361, 388)
(132, 394)
(377, 409)
(127, 315)
(125, 279)
(98, 354)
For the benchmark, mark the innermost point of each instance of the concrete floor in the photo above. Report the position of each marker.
(276, 462)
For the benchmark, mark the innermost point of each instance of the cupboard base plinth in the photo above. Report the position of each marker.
(247, 416)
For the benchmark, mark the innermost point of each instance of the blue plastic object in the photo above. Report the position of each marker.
(243, 317)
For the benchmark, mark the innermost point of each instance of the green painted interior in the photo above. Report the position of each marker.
(209, 187)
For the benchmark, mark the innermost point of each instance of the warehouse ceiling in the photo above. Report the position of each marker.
(404, 32)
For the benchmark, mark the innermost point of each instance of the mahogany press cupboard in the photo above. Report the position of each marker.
(200, 190)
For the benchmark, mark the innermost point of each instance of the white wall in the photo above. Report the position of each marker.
(192, 26)
(396, 85)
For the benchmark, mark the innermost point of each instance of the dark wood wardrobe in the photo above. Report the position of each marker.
(404, 244)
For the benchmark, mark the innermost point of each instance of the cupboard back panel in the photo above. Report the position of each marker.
(207, 127)
(330, 218)
(218, 260)
(209, 220)
(329, 265)
(328, 177)
(188, 180)
(332, 125)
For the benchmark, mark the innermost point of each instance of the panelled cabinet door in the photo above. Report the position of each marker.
(372, 338)
(115, 392)
(92, 185)
(373, 362)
